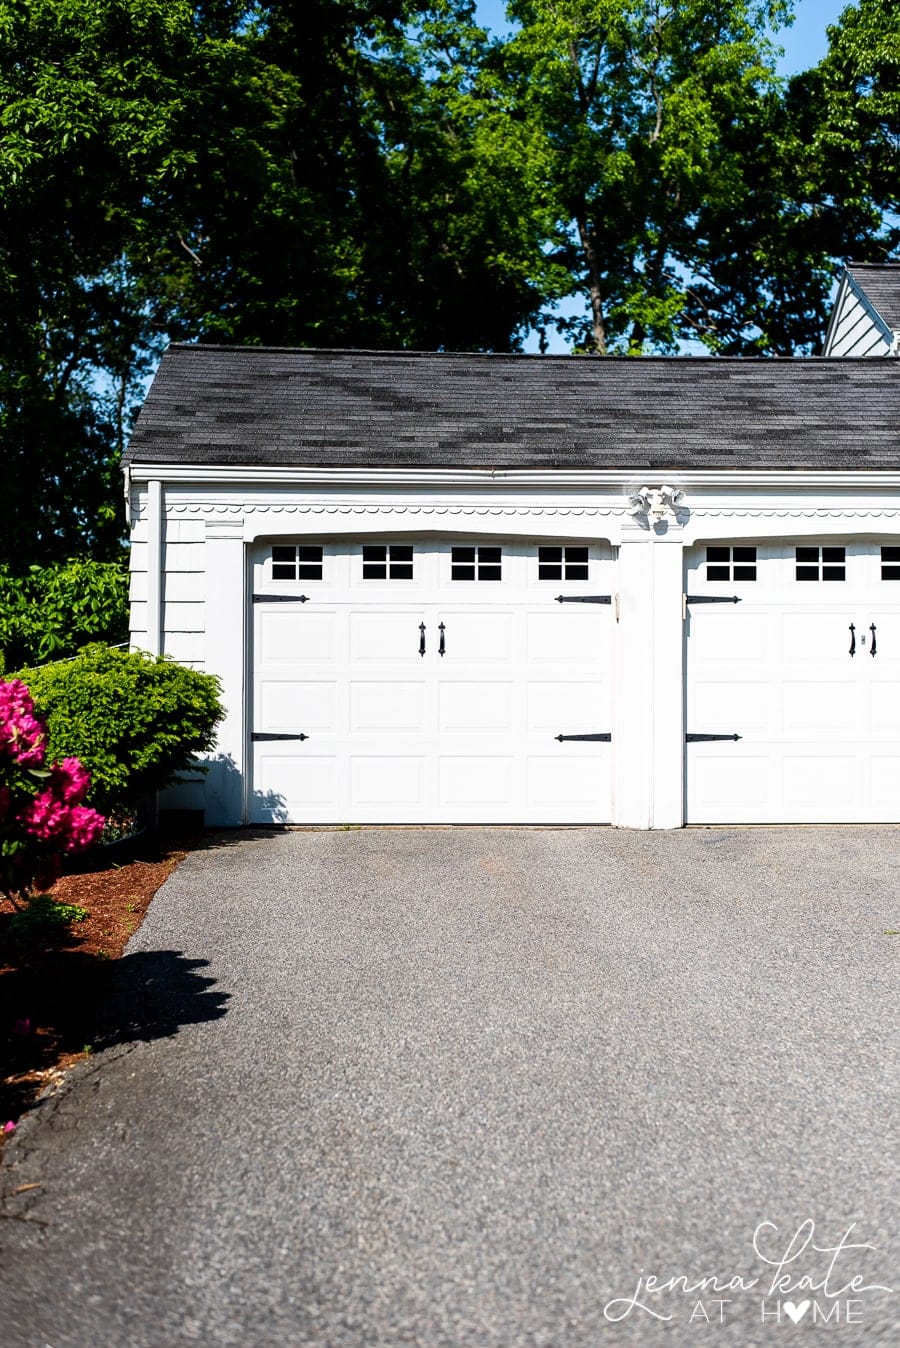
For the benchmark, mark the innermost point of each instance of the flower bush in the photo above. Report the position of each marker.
(42, 814)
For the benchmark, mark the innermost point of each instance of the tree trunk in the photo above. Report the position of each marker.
(596, 295)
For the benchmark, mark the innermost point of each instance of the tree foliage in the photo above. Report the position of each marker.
(51, 611)
(383, 173)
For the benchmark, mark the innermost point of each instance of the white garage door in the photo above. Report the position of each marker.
(405, 681)
(805, 668)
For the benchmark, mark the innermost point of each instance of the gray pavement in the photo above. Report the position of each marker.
(466, 1087)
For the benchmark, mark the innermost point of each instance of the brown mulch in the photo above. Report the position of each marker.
(49, 995)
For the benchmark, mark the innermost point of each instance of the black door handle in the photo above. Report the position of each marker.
(852, 639)
(873, 648)
(421, 638)
(441, 644)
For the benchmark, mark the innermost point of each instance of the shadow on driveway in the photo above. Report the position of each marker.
(154, 994)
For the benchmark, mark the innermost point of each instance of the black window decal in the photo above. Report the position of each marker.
(730, 563)
(387, 561)
(562, 563)
(296, 561)
(890, 562)
(475, 563)
(820, 564)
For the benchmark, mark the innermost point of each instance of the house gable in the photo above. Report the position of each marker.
(866, 317)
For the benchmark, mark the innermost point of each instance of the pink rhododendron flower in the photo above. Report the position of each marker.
(84, 827)
(22, 734)
(42, 815)
(70, 781)
(49, 818)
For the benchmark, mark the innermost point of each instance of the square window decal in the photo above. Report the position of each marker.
(890, 562)
(475, 562)
(731, 563)
(297, 561)
(563, 563)
(387, 561)
(820, 564)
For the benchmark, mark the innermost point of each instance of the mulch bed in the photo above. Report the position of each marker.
(48, 996)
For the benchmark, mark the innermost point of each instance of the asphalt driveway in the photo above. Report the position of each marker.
(467, 1087)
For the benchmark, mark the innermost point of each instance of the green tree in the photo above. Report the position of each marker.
(852, 121)
(619, 112)
(338, 197)
(90, 107)
(51, 611)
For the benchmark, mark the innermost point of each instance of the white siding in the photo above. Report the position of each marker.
(184, 591)
(137, 592)
(855, 330)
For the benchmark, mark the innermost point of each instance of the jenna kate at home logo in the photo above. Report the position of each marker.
(807, 1277)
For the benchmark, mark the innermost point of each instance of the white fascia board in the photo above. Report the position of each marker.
(798, 479)
(837, 309)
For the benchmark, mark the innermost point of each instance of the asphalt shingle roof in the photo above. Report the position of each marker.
(248, 406)
(881, 285)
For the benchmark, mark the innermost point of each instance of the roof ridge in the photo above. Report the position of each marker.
(755, 362)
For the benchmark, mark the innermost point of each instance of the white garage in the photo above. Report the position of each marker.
(449, 589)
(795, 648)
(424, 680)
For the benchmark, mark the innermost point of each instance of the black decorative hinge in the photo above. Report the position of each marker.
(584, 599)
(266, 735)
(602, 736)
(704, 739)
(281, 599)
(712, 598)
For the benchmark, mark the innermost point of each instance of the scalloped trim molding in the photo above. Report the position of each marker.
(231, 511)
(797, 512)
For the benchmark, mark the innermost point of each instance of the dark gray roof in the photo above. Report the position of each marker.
(881, 286)
(346, 409)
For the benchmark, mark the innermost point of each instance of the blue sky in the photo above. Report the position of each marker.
(804, 43)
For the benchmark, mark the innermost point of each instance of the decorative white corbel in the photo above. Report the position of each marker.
(655, 502)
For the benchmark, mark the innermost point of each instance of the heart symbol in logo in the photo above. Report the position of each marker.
(796, 1312)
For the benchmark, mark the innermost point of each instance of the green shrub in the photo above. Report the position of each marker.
(39, 923)
(133, 720)
(50, 611)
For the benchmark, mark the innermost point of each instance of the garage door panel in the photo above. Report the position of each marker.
(467, 705)
(568, 782)
(479, 780)
(728, 783)
(477, 638)
(815, 638)
(719, 636)
(292, 705)
(555, 704)
(292, 781)
(718, 706)
(386, 704)
(884, 707)
(384, 636)
(818, 780)
(884, 772)
(387, 780)
(564, 636)
(809, 705)
(288, 636)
